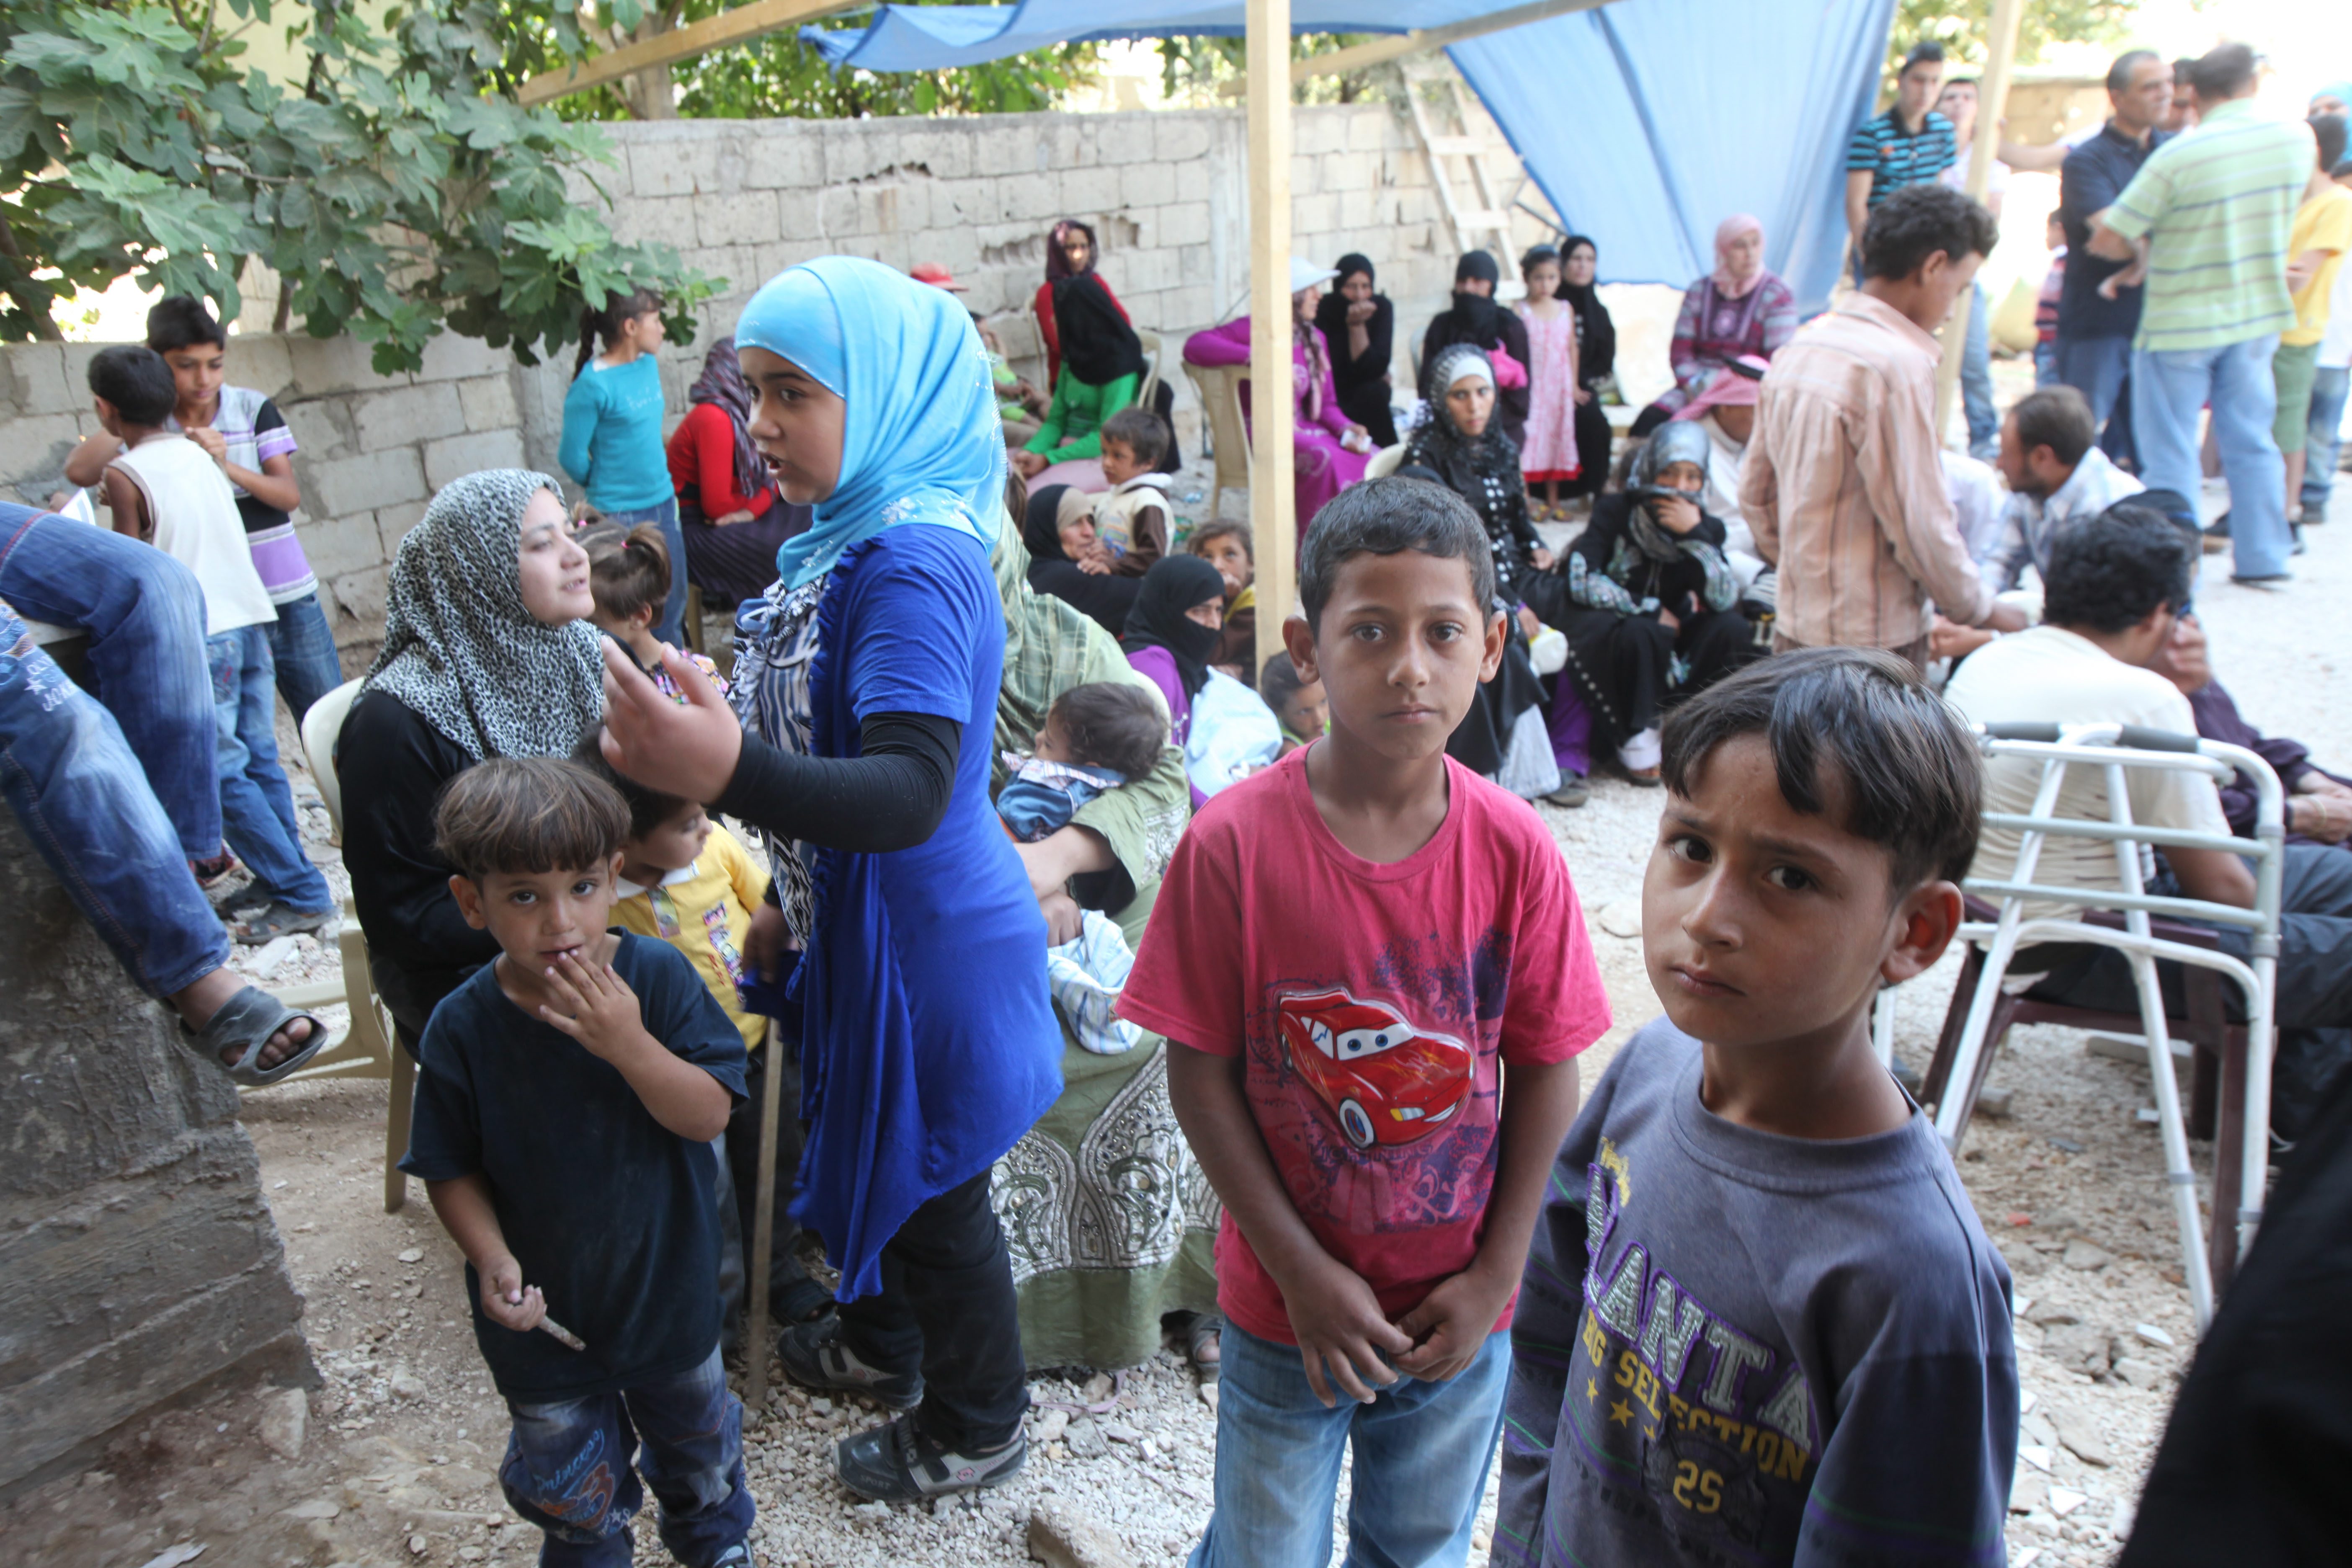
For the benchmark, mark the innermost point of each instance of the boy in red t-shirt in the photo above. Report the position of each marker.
(1350, 951)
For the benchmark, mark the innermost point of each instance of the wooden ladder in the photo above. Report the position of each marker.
(1486, 224)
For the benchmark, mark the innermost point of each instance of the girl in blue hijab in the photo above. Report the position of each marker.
(929, 1045)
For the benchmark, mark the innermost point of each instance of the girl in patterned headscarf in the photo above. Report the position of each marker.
(928, 1044)
(1648, 602)
(486, 653)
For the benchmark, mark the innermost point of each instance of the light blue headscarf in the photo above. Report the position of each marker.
(921, 441)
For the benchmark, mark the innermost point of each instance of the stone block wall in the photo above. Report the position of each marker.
(1167, 193)
(138, 1260)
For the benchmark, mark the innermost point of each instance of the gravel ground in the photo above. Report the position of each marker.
(395, 1460)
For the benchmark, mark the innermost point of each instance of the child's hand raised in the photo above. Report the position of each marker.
(595, 1007)
(505, 1301)
(1340, 1328)
(1451, 1325)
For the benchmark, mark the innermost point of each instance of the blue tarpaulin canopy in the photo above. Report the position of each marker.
(1646, 123)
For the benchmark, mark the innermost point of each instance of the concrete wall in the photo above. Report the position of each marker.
(138, 1260)
(1167, 193)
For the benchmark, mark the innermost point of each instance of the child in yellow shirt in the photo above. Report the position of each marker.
(687, 881)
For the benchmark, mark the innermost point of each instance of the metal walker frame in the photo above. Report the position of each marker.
(2117, 748)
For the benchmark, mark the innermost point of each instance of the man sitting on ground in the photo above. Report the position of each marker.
(2112, 592)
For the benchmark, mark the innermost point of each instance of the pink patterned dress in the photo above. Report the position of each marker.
(1550, 450)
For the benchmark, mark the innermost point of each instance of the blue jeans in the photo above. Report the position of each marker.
(2096, 367)
(257, 804)
(145, 616)
(1421, 1452)
(84, 802)
(568, 1469)
(303, 649)
(2322, 446)
(1976, 381)
(2045, 365)
(671, 625)
(2168, 386)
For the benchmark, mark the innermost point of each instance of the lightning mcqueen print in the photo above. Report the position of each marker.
(1383, 1081)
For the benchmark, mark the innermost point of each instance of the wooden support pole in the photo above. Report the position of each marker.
(1273, 521)
(1992, 101)
(763, 1228)
(740, 25)
(1357, 56)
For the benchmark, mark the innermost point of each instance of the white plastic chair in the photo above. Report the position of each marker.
(368, 1048)
(2117, 748)
(1219, 387)
(1385, 462)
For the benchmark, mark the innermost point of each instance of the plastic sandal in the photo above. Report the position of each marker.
(1204, 1327)
(249, 1018)
(281, 920)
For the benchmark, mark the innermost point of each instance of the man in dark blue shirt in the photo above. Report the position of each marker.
(2096, 325)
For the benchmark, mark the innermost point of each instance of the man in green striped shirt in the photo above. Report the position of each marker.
(2205, 225)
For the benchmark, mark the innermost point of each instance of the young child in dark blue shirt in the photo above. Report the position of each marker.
(566, 1098)
(1760, 1323)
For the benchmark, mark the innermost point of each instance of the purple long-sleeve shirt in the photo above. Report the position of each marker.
(1230, 344)
(2218, 719)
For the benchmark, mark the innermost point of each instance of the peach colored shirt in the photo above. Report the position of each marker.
(1844, 489)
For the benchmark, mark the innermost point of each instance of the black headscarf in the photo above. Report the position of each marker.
(1057, 260)
(721, 382)
(1097, 345)
(1475, 314)
(1174, 584)
(1102, 598)
(1483, 470)
(1596, 334)
(1380, 332)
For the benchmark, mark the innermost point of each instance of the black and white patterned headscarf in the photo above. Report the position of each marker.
(459, 648)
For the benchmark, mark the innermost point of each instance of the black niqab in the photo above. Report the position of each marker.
(1174, 584)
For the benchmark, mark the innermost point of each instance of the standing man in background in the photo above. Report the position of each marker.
(1908, 145)
(2203, 227)
(2095, 329)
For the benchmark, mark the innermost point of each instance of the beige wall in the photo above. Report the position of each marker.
(743, 200)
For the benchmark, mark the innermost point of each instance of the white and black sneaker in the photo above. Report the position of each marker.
(815, 1356)
(895, 1462)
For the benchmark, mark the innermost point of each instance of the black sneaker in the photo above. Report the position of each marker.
(895, 1462)
(814, 1356)
(2217, 535)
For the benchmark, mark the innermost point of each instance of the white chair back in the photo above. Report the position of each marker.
(321, 726)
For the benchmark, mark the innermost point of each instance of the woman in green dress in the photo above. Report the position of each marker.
(1110, 1223)
(1101, 372)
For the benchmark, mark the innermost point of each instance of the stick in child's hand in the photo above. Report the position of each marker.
(563, 1336)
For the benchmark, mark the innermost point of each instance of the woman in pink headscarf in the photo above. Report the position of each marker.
(1740, 308)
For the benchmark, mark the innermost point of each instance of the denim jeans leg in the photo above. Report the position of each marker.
(670, 627)
(1422, 1454)
(690, 1436)
(145, 616)
(2245, 407)
(2095, 367)
(83, 800)
(2169, 387)
(257, 804)
(2324, 445)
(1278, 1453)
(2045, 366)
(1976, 381)
(567, 1471)
(302, 646)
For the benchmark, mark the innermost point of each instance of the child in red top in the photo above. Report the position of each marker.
(1354, 952)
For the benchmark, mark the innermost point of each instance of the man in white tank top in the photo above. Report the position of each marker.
(167, 489)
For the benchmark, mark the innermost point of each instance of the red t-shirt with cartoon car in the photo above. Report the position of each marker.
(1372, 1003)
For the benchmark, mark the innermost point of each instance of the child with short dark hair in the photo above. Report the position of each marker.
(566, 1097)
(628, 577)
(1096, 737)
(1132, 518)
(163, 488)
(1298, 703)
(1760, 1320)
(1373, 977)
(687, 881)
(1227, 546)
